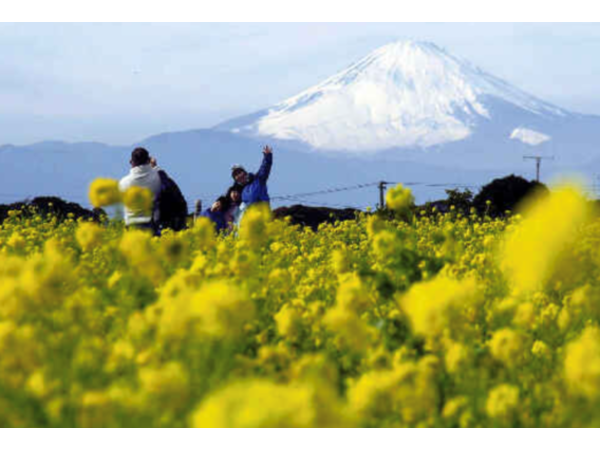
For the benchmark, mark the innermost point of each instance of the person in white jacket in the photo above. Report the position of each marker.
(142, 174)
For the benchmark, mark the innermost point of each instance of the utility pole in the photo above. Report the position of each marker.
(538, 162)
(382, 187)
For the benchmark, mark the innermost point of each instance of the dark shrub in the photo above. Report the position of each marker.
(52, 205)
(504, 194)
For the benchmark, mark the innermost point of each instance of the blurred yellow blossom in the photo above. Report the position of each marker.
(104, 192)
(138, 199)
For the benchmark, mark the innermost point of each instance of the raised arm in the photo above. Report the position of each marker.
(265, 167)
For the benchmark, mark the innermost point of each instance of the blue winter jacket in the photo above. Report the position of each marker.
(217, 217)
(256, 189)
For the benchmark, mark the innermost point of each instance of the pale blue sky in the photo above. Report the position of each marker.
(120, 83)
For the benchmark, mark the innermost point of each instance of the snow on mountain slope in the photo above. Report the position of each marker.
(404, 94)
(530, 137)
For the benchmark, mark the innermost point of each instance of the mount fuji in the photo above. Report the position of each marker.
(413, 100)
(408, 112)
(405, 94)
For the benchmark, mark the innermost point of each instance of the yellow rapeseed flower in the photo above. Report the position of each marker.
(137, 247)
(288, 321)
(104, 192)
(204, 232)
(531, 250)
(263, 403)
(350, 331)
(540, 349)
(89, 235)
(254, 225)
(168, 382)
(224, 308)
(456, 356)
(353, 294)
(16, 241)
(340, 260)
(399, 198)
(502, 401)
(582, 364)
(506, 346)
(138, 199)
(433, 306)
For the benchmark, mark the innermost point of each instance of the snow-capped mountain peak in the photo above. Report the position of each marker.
(404, 94)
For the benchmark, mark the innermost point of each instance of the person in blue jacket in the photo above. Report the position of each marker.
(254, 185)
(216, 213)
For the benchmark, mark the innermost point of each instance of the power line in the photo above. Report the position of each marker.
(334, 190)
(326, 204)
(323, 192)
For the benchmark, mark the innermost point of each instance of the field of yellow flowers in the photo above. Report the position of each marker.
(417, 320)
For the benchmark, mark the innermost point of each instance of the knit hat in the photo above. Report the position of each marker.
(236, 169)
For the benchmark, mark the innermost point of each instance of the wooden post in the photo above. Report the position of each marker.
(198, 209)
(382, 186)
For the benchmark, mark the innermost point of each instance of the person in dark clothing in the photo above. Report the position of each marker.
(170, 206)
